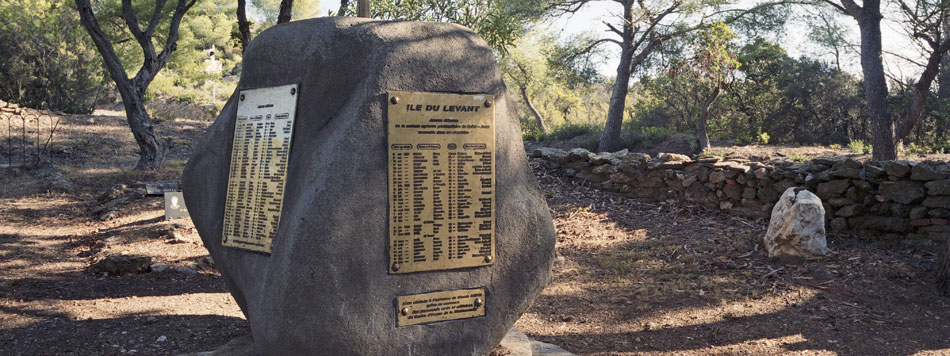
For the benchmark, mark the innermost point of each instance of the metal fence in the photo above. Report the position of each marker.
(29, 136)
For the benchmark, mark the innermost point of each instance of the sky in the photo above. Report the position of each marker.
(590, 19)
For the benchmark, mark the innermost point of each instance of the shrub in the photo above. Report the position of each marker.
(655, 135)
(942, 145)
(913, 147)
(645, 136)
(860, 146)
(531, 133)
(571, 130)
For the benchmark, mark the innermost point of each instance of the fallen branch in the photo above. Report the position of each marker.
(835, 291)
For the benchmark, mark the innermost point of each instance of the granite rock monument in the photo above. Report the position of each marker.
(326, 286)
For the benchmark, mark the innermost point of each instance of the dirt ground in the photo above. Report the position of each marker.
(633, 277)
(765, 153)
(644, 278)
(754, 153)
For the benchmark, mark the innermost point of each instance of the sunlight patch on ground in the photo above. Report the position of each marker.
(183, 304)
(790, 343)
(19, 314)
(726, 311)
(565, 289)
(98, 171)
(106, 112)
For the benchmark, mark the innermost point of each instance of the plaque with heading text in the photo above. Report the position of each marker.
(441, 181)
(259, 155)
(440, 306)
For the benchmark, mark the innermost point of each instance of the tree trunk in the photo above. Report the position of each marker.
(921, 94)
(152, 149)
(534, 112)
(943, 92)
(243, 25)
(343, 5)
(286, 11)
(704, 117)
(875, 84)
(152, 154)
(362, 8)
(943, 270)
(610, 137)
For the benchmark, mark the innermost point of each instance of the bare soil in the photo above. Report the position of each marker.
(645, 278)
(53, 303)
(633, 277)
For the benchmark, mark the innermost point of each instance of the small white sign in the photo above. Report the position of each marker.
(175, 206)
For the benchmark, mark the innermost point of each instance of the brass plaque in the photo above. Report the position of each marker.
(440, 306)
(441, 181)
(262, 134)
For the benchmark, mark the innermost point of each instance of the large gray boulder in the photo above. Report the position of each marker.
(797, 226)
(324, 289)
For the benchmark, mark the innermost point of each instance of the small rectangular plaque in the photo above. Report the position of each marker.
(259, 155)
(175, 206)
(441, 181)
(159, 188)
(440, 306)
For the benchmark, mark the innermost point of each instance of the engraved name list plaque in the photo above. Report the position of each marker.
(441, 181)
(259, 156)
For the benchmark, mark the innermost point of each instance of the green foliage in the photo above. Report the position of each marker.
(571, 130)
(650, 136)
(913, 147)
(267, 10)
(773, 98)
(208, 25)
(712, 152)
(698, 72)
(46, 58)
(573, 61)
(834, 146)
(942, 144)
(531, 133)
(797, 156)
(860, 146)
(561, 100)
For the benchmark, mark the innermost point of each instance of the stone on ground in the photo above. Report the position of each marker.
(324, 289)
(797, 226)
(123, 264)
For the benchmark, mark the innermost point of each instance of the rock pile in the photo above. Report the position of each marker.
(911, 199)
(9, 107)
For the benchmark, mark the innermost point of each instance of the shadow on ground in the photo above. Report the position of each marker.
(641, 277)
(146, 335)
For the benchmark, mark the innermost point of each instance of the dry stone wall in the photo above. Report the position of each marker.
(908, 199)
